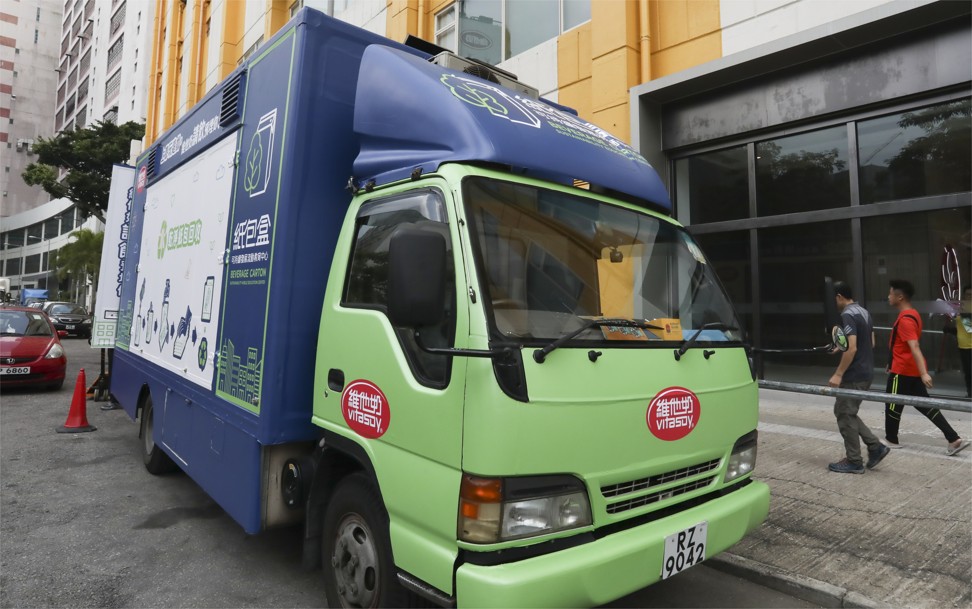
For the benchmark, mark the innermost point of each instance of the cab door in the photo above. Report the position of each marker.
(377, 387)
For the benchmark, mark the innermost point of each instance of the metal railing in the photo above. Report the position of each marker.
(958, 405)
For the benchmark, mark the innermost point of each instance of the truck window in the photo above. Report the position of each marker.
(367, 280)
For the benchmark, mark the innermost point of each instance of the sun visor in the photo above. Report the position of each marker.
(412, 114)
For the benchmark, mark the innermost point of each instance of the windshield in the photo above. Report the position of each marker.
(552, 262)
(24, 323)
(67, 309)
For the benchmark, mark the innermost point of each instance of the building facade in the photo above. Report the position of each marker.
(799, 139)
(28, 56)
(103, 62)
(826, 144)
(95, 70)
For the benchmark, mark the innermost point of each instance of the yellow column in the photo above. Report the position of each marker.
(197, 69)
(231, 42)
(152, 127)
(402, 19)
(173, 49)
(278, 13)
(615, 44)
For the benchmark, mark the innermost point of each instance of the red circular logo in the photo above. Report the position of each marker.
(365, 408)
(673, 413)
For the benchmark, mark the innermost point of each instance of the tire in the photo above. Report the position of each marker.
(359, 570)
(156, 461)
(56, 386)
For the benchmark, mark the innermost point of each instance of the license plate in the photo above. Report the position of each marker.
(684, 549)
(69, 326)
(15, 370)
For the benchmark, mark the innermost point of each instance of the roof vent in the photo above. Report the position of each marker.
(484, 71)
(232, 102)
(150, 166)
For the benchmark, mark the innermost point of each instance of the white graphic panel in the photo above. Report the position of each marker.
(113, 256)
(180, 274)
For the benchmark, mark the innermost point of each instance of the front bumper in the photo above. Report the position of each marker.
(613, 566)
(42, 372)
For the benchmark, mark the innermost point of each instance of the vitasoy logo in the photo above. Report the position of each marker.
(365, 408)
(673, 413)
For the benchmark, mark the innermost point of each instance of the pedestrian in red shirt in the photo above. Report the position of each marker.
(908, 371)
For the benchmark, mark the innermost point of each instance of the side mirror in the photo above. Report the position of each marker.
(416, 278)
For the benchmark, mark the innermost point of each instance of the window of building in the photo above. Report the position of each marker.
(574, 13)
(529, 24)
(793, 261)
(32, 264)
(296, 6)
(929, 249)
(445, 28)
(35, 233)
(15, 238)
(495, 30)
(918, 153)
(713, 186)
(36, 35)
(52, 227)
(12, 267)
(803, 172)
(728, 253)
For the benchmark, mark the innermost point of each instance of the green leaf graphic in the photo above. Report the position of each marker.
(254, 161)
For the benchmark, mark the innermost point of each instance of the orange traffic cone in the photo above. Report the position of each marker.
(77, 420)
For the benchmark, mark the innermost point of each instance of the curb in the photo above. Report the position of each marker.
(805, 588)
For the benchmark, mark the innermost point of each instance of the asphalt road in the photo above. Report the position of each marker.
(83, 524)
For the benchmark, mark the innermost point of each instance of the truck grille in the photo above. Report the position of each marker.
(645, 484)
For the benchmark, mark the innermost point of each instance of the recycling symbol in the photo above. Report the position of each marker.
(203, 353)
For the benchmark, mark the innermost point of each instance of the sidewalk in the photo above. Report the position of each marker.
(900, 535)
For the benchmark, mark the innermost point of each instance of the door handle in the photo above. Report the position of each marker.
(335, 379)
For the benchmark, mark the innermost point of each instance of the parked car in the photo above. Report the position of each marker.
(30, 349)
(70, 317)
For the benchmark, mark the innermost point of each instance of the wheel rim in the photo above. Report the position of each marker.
(149, 427)
(355, 563)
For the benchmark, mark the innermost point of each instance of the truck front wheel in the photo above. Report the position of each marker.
(358, 567)
(156, 461)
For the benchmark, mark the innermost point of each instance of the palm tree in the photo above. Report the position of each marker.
(80, 257)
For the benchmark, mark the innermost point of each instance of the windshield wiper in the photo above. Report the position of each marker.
(716, 325)
(541, 354)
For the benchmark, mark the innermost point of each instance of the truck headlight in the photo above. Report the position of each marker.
(500, 509)
(742, 460)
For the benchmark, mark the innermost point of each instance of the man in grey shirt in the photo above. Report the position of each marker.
(855, 371)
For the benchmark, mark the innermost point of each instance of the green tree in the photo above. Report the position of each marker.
(80, 257)
(87, 155)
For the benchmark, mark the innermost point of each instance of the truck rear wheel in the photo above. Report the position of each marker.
(156, 461)
(359, 570)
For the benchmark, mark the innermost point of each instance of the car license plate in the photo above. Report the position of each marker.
(69, 326)
(15, 370)
(684, 549)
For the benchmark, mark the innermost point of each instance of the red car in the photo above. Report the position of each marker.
(30, 349)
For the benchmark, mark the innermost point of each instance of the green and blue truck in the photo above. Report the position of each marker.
(446, 326)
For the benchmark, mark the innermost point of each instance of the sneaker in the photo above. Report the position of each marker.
(956, 446)
(875, 456)
(890, 444)
(846, 467)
